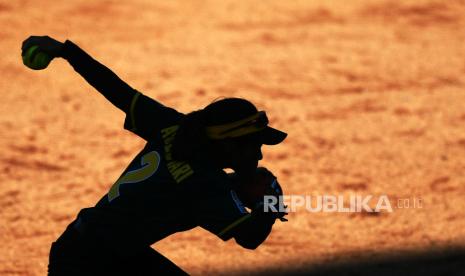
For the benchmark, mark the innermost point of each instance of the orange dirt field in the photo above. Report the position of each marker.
(370, 92)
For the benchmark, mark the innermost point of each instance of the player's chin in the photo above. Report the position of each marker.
(246, 168)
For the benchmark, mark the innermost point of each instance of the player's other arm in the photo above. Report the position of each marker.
(96, 74)
(254, 231)
(249, 230)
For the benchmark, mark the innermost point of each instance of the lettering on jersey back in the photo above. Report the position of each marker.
(178, 169)
(149, 165)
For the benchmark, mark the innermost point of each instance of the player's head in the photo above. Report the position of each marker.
(229, 130)
(239, 120)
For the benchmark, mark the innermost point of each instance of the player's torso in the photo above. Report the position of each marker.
(153, 196)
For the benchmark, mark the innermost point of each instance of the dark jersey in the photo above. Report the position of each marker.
(156, 195)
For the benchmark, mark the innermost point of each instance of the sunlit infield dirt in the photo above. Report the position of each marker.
(371, 94)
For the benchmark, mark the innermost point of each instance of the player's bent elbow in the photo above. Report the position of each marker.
(253, 233)
(247, 244)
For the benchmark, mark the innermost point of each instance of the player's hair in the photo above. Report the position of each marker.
(191, 139)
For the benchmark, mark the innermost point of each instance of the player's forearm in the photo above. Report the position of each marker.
(99, 76)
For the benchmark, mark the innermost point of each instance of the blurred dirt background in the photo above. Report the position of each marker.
(370, 92)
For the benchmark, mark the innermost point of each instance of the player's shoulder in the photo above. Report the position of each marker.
(146, 116)
(166, 113)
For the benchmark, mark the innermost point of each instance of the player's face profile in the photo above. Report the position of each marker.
(246, 156)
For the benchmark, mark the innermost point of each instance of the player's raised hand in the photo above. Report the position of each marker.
(45, 44)
(38, 51)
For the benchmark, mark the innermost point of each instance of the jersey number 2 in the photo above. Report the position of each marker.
(149, 162)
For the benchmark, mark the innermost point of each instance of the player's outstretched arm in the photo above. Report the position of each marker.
(96, 74)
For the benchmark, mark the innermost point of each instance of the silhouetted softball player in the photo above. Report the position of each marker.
(174, 184)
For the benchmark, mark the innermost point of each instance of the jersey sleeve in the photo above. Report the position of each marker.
(220, 211)
(146, 116)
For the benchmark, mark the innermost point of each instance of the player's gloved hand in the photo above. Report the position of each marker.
(46, 44)
(273, 197)
(263, 194)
